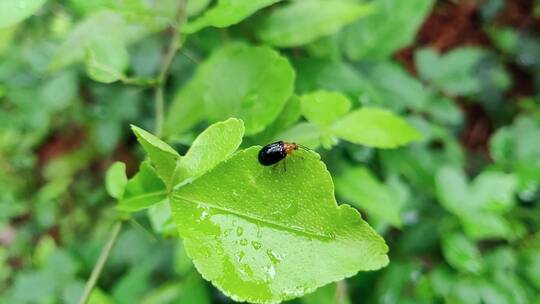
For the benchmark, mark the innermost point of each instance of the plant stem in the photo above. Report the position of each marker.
(105, 252)
(341, 292)
(174, 46)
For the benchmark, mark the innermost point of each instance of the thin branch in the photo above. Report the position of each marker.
(105, 252)
(173, 49)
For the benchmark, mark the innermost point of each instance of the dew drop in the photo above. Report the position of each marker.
(271, 271)
(275, 258)
(240, 256)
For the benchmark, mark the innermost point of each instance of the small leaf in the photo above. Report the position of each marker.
(210, 148)
(360, 187)
(143, 190)
(314, 74)
(100, 24)
(160, 217)
(262, 235)
(226, 13)
(461, 253)
(304, 133)
(375, 128)
(494, 191)
(14, 11)
(323, 108)
(163, 156)
(106, 60)
(194, 7)
(453, 72)
(392, 26)
(452, 189)
(300, 22)
(116, 180)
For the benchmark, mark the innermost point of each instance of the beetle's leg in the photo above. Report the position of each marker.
(285, 164)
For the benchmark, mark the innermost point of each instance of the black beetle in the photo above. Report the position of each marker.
(274, 152)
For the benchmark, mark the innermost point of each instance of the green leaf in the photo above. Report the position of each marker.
(313, 74)
(187, 107)
(162, 156)
(288, 117)
(393, 26)
(304, 133)
(194, 7)
(453, 72)
(14, 11)
(250, 83)
(106, 60)
(481, 225)
(461, 253)
(331, 293)
(323, 108)
(358, 186)
(143, 190)
(452, 189)
(494, 191)
(480, 205)
(300, 22)
(264, 235)
(210, 148)
(226, 13)
(505, 38)
(391, 86)
(112, 25)
(375, 128)
(116, 180)
(160, 217)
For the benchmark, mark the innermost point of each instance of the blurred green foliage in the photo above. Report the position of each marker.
(438, 147)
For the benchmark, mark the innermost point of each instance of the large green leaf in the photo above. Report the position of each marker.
(13, 11)
(392, 27)
(264, 235)
(211, 147)
(300, 22)
(251, 83)
(376, 128)
(360, 187)
(226, 13)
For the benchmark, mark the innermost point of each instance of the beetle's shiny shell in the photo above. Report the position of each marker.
(272, 153)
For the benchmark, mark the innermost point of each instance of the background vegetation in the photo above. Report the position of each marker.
(454, 191)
